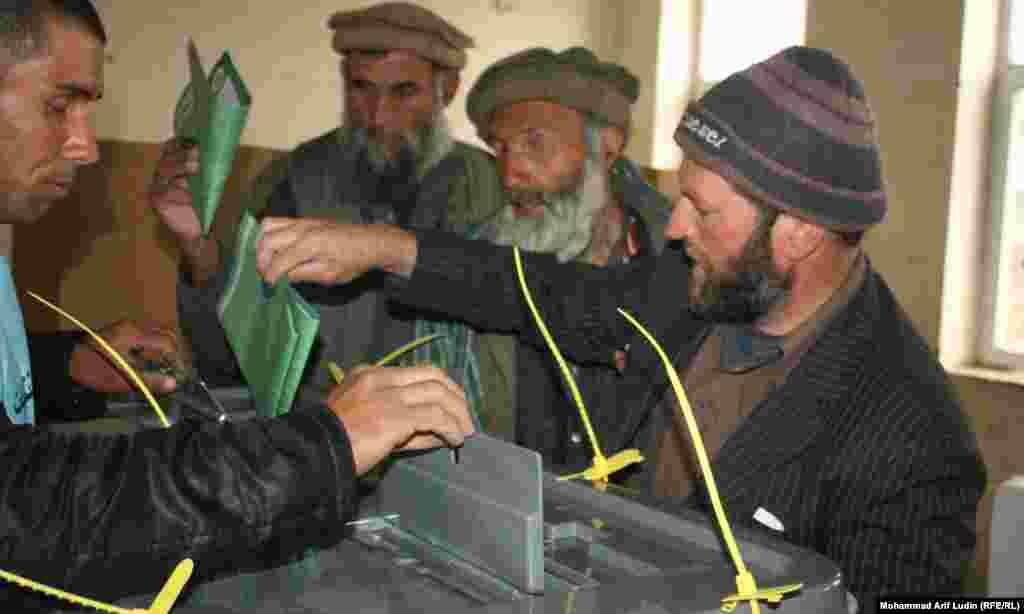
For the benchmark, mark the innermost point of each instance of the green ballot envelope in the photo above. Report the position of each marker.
(271, 328)
(212, 111)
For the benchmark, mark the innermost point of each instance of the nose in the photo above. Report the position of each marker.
(80, 142)
(379, 113)
(680, 225)
(515, 171)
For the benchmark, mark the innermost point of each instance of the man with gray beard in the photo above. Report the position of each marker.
(557, 123)
(565, 223)
(400, 64)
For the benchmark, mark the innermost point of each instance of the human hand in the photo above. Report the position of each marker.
(385, 409)
(329, 252)
(92, 366)
(169, 196)
(168, 193)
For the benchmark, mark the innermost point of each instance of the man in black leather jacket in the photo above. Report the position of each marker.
(109, 516)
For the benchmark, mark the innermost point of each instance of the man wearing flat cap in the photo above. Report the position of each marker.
(829, 420)
(557, 123)
(400, 65)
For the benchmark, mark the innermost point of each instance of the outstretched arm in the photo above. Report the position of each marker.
(470, 280)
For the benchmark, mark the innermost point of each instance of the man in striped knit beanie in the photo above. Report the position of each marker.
(791, 135)
(830, 421)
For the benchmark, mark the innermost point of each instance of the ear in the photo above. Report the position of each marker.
(613, 141)
(794, 239)
(451, 85)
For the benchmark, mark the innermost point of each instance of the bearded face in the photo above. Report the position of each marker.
(413, 151)
(560, 219)
(394, 111)
(746, 289)
(559, 222)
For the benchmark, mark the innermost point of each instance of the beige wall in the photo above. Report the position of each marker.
(283, 51)
(909, 67)
(640, 55)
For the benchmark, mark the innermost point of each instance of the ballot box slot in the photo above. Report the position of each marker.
(434, 562)
(604, 556)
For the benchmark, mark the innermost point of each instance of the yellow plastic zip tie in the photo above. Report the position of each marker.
(405, 348)
(336, 372)
(339, 374)
(165, 599)
(603, 467)
(771, 595)
(162, 604)
(121, 362)
(745, 583)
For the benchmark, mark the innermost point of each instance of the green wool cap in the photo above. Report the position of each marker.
(574, 78)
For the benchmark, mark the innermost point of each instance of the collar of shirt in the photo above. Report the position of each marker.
(15, 366)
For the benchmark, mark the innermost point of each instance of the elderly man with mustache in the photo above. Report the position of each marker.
(558, 123)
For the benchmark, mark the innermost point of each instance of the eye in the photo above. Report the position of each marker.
(406, 90)
(58, 105)
(359, 85)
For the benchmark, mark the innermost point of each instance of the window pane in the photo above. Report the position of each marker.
(1009, 292)
(1016, 41)
(729, 43)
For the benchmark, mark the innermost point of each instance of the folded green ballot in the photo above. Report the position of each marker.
(212, 112)
(271, 329)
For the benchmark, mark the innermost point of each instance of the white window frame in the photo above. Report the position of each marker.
(1002, 305)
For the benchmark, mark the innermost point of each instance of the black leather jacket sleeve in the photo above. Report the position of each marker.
(110, 516)
(57, 397)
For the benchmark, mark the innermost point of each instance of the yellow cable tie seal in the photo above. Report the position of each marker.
(745, 582)
(772, 595)
(339, 374)
(603, 467)
(118, 359)
(162, 604)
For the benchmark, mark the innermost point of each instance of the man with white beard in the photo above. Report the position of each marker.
(400, 64)
(557, 124)
(561, 222)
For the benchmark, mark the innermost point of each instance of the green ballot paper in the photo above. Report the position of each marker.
(271, 328)
(212, 112)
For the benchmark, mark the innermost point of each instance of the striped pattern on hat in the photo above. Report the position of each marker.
(795, 132)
